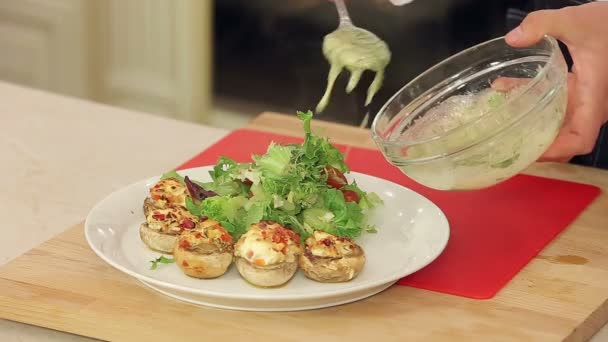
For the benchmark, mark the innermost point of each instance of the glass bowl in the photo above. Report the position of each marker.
(477, 118)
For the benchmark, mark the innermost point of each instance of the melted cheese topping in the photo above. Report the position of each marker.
(171, 220)
(268, 244)
(169, 192)
(207, 238)
(324, 245)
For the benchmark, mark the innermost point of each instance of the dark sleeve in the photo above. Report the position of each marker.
(517, 11)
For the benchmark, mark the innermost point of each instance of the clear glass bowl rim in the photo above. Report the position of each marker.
(554, 53)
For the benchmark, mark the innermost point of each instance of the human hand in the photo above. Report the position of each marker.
(584, 30)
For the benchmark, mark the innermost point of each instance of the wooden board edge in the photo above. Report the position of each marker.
(592, 325)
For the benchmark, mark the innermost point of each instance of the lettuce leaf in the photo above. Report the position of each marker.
(223, 168)
(336, 216)
(230, 212)
(318, 152)
(226, 178)
(288, 185)
(276, 163)
(366, 200)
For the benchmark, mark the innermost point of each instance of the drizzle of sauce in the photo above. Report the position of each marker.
(356, 50)
(565, 259)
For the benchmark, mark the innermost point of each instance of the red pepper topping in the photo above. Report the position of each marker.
(198, 235)
(292, 235)
(185, 263)
(335, 178)
(184, 244)
(187, 224)
(226, 237)
(284, 235)
(159, 217)
(350, 196)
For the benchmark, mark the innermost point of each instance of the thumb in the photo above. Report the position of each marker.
(537, 24)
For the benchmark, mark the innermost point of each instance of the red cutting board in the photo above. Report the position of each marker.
(494, 232)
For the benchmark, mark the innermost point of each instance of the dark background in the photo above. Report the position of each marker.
(268, 52)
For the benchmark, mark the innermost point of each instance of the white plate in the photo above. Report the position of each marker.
(412, 232)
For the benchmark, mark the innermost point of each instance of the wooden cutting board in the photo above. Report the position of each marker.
(562, 295)
(63, 285)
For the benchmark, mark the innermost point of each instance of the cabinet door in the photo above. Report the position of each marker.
(154, 55)
(149, 55)
(43, 45)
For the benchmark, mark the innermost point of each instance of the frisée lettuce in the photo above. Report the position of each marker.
(300, 186)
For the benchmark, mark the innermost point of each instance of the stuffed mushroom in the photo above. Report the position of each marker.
(331, 259)
(163, 227)
(267, 254)
(205, 252)
(166, 192)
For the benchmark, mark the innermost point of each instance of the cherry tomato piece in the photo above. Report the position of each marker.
(335, 178)
(350, 196)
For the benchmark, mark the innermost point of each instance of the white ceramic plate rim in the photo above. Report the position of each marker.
(302, 307)
(385, 280)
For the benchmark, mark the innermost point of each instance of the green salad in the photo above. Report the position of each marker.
(300, 186)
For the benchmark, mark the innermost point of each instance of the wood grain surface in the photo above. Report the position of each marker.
(560, 296)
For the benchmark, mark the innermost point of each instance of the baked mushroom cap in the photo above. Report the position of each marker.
(205, 252)
(266, 276)
(157, 240)
(149, 205)
(331, 259)
(163, 226)
(267, 254)
(166, 192)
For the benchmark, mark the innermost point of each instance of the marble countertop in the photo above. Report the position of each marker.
(60, 155)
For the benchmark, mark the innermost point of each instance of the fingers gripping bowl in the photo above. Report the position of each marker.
(477, 118)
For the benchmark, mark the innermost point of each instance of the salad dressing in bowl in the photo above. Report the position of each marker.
(478, 118)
